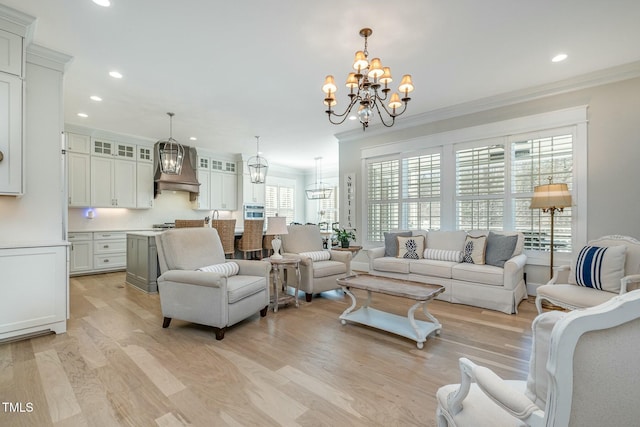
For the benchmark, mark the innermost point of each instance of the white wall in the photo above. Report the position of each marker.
(613, 192)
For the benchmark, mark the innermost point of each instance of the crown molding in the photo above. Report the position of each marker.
(49, 58)
(593, 79)
(17, 22)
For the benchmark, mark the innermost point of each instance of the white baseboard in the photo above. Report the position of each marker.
(532, 288)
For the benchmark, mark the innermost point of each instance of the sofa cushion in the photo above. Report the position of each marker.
(599, 267)
(474, 249)
(484, 274)
(317, 255)
(328, 268)
(442, 255)
(450, 240)
(391, 242)
(499, 248)
(240, 287)
(391, 264)
(430, 267)
(226, 268)
(410, 247)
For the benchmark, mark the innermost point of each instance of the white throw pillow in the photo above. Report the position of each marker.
(599, 267)
(226, 268)
(443, 255)
(411, 247)
(474, 249)
(316, 255)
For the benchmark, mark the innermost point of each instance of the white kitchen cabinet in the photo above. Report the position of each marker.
(252, 194)
(113, 182)
(11, 152)
(80, 252)
(78, 143)
(144, 185)
(109, 250)
(34, 290)
(203, 201)
(10, 53)
(78, 178)
(224, 191)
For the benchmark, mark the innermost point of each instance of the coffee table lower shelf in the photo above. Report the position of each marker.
(393, 323)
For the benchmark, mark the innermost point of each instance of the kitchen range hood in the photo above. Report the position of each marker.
(186, 181)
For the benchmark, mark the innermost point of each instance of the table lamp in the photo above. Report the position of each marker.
(551, 198)
(276, 225)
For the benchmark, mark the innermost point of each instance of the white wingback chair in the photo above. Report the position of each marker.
(601, 274)
(317, 275)
(583, 372)
(218, 299)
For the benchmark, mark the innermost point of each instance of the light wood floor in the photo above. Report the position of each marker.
(117, 366)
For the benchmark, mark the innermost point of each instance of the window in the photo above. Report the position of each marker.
(403, 193)
(279, 199)
(482, 178)
(328, 208)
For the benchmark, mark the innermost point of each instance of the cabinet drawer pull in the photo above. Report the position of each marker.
(105, 246)
(105, 260)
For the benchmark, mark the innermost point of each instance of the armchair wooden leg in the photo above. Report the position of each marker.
(166, 321)
(220, 333)
(263, 312)
(307, 296)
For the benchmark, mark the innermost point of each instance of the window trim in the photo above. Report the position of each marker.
(575, 117)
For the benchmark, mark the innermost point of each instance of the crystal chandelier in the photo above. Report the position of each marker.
(368, 87)
(258, 166)
(170, 152)
(318, 190)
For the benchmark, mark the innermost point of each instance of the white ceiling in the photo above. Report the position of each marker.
(230, 70)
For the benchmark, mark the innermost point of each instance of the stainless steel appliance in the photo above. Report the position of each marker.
(253, 211)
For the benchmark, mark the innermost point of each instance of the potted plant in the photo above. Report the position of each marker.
(344, 236)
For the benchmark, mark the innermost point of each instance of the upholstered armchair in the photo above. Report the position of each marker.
(199, 285)
(583, 372)
(319, 269)
(606, 267)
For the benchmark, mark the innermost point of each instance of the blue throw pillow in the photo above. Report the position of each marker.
(391, 242)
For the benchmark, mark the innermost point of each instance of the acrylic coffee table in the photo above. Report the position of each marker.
(408, 326)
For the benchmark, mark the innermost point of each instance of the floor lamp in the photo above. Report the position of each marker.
(551, 198)
(276, 225)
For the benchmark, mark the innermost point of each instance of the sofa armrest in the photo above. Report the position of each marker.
(560, 275)
(373, 254)
(514, 271)
(192, 277)
(253, 267)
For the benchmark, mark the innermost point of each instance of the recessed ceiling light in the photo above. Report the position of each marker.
(103, 3)
(559, 57)
(193, 138)
(115, 74)
(95, 98)
(83, 115)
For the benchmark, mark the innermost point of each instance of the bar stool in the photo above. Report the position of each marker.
(251, 240)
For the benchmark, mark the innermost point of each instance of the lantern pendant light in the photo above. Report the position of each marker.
(170, 152)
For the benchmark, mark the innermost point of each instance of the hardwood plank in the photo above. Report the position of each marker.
(57, 389)
(299, 366)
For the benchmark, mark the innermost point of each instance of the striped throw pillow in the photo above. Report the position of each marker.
(316, 255)
(226, 268)
(443, 255)
(600, 267)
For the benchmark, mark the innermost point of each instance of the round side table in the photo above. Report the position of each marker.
(276, 265)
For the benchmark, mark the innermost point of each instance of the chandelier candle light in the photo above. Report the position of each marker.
(170, 152)
(551, 198)
(276, 226)
(258, 166)
(368, 86)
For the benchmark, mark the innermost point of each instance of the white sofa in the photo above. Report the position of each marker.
(481, 285)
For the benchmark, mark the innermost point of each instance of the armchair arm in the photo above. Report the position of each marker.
(342, 256)
(192, 277)
(508, 398)
(626, 280)
(514, 271)
(560, 275)
(253, 267)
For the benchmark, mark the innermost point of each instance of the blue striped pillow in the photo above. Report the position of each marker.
(600, 267)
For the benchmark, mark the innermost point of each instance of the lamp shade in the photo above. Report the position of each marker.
(551, 196)
(276, 225)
